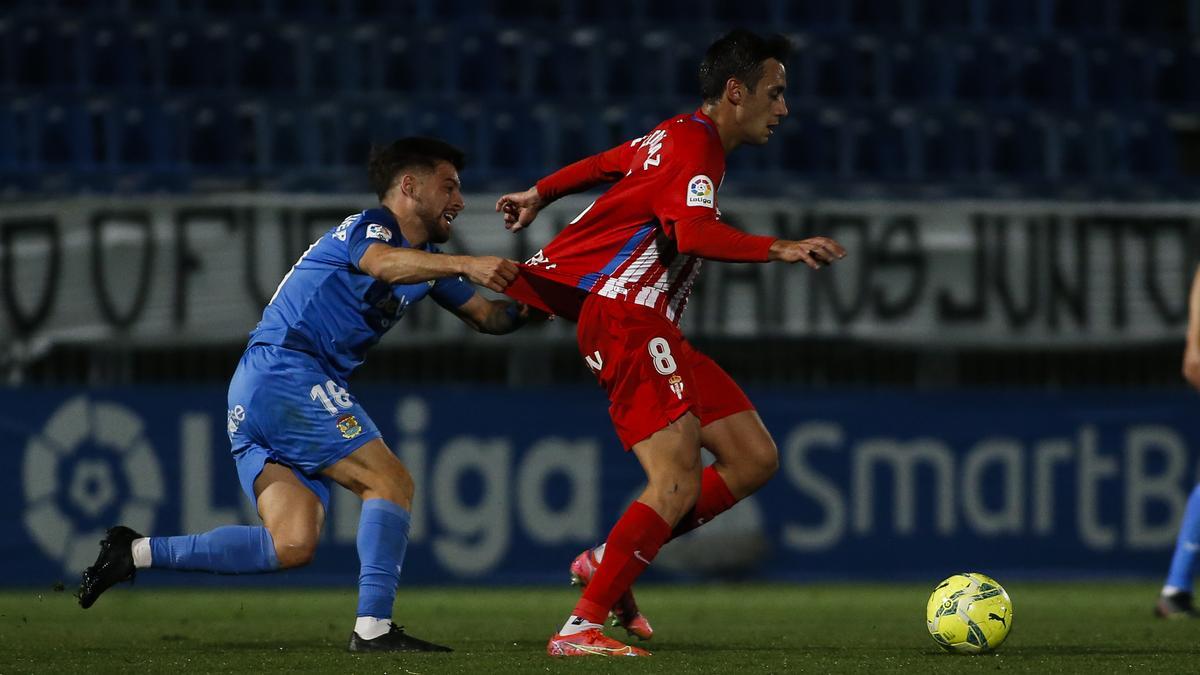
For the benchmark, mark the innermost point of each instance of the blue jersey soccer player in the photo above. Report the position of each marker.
(292, 421)
(1175, 601)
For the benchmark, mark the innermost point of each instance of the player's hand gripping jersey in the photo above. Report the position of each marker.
(640, 242)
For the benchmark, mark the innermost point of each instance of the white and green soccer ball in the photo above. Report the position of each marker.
(969, 613)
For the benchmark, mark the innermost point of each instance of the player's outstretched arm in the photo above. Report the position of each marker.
(520, 208)
(395, 265)
(1191, 352)
(496, 317)
(816, 252)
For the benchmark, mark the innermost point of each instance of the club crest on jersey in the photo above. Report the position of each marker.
(349, 426)
(700, 191)
(676, 383)
(377, 231)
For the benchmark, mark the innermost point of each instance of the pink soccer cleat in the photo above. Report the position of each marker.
(590, 643)
(625, 613)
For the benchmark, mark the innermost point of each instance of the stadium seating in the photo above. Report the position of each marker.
(286, 93)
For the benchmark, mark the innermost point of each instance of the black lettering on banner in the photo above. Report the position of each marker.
(823, 285)
(899, 248)
(108, 309)
(973, 308)
(25, 321)
(1119, 304)
(1066, 296)
(251, 261)
(1016, 315)
(187, 263)
(1176, 228)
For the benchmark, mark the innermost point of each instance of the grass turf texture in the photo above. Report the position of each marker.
(714, 628)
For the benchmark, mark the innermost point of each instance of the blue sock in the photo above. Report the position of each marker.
(1184, 560)
(382, 540)
(232, 549)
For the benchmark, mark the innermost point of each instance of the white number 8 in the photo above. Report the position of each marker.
(660, 351)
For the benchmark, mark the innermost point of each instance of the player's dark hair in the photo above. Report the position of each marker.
(412, 152)
(739, 54)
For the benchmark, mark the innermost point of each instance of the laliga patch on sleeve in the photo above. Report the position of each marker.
(700, 191)
(377, 231)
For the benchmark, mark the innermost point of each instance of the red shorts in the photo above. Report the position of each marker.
(651, 373)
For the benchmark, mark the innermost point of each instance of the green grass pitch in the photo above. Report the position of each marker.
(827, 628)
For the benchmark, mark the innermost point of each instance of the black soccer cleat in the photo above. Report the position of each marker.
(395, 640)
(1175, 606)
(113, 565)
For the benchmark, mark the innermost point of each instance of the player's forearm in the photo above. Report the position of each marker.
(502, 318)
(409, 266)
(714, 240)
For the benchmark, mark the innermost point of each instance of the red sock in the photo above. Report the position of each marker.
(715, 498)
(632, 544)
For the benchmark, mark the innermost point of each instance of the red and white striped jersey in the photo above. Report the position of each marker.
(626, 245)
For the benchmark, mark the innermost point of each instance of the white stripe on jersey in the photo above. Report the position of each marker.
(680, 297)
(633, 272)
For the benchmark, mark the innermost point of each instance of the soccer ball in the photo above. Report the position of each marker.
(969, 613)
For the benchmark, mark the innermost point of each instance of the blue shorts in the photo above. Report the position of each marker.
(284, 408)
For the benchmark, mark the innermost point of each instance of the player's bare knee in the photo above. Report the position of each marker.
(294, 550)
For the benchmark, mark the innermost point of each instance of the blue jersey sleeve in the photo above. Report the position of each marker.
(362, 234)
(451, 292)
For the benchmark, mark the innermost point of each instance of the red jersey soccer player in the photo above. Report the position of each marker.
(623, 269)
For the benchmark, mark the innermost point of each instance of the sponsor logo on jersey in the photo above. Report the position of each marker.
(700, 192)
(349, 426)
(234, 418)
(377, 231)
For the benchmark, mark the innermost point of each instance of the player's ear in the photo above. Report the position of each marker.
(734, 91)
(408, 185)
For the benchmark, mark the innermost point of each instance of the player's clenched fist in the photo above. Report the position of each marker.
(491, 272)
(520, 208)
(815, 252)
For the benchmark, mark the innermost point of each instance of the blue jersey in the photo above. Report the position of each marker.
(328, 307)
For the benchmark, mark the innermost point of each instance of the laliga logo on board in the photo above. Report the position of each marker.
(88, 456)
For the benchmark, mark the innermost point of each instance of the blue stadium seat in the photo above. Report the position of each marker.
(61, 136)
(951, 15)
(1085, 15)
(139, 136)
(1149, 148)
(1018, 146)
(197, 57)
(814, 144)
(1176, 71)
(952, 145)
(267, 59)
(1051, 72)
(211, 136)
(845, 69)
(1118, 72)
(897, 15)
(916, 70)
(404, 63)
(883, 145)
(121, 55)
(1024, 16)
